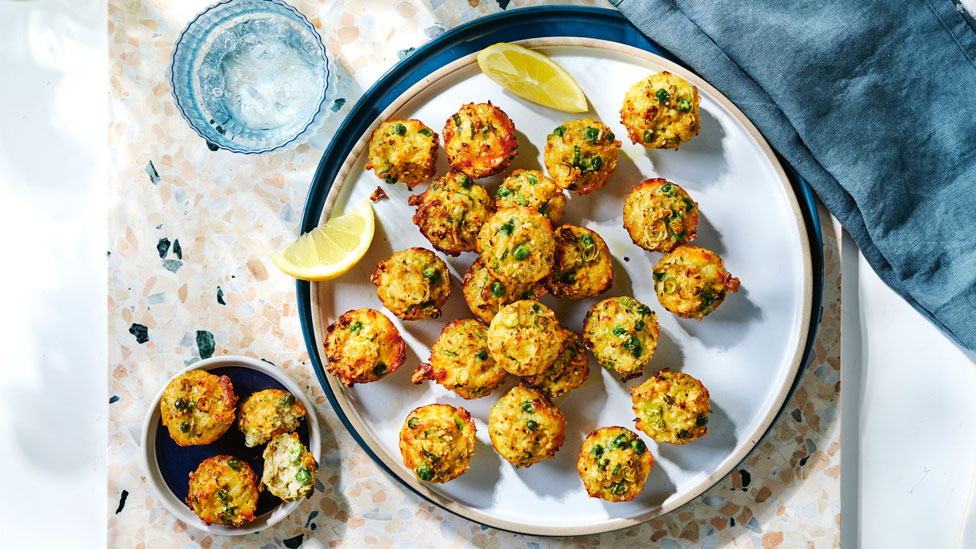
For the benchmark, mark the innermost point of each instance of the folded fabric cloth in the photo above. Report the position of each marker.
(874, 104)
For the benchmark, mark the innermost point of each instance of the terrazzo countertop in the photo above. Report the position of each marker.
(190, 231)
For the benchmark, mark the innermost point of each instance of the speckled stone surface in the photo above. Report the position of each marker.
(190, 231)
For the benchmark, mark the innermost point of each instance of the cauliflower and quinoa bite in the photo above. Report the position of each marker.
(582, 267)
(289, 468)
(661, 111)
(614, 463)
(524, 338)
(568, 372)
(437, 442)
(460, 361)
(525, 427)
(480, 140)
(223, 490)
(413, 284)
(517, 245)
(622, 334)
(269, 413)
(659, 215)
(691, 282)
(451, 212)
(485, 294)
(198, 407)
(672, 407)
(363, 346)
(403, 150)
(581, 155)
(532, 189)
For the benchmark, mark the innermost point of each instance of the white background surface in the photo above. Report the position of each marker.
(909, 454)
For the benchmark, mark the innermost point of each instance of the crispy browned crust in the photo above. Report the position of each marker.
(378, 194)
(560, 163)
(457, 364)
(586, 320)
(639, 392)
(201, 490)
(436, 238)
(544, 337)
(491, 240)
(228, 396)
(478, 309)
(425, 172)
(630, 376)
(476, 157)
(350, 369)
(414, 311)
(423, 373)
(570, 370)
(690, 224)
(582, 458)
(729, 283)
(631, 112)
(222, 416)
(543, 406)
(544, 196)
(565, 236)
(445, 238)
(447, 465)
(591, 345)
(484, 309)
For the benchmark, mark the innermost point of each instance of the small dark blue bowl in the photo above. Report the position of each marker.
(169, 465)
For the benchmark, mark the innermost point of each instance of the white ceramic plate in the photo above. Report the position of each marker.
(747, 353)
(156, 477)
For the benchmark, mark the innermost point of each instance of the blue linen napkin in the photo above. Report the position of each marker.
(874, 104)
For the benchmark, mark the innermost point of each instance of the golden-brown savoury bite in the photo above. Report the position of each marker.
(378, 194)
(582, 266)
(532, 189)
(289, 468)
(480, 140)
(614, 463)
(223, 490)
(691, 282)
(198, 407)
(485, 294)
(413, 283)
(524, 338)
(661, 111)
(525, 427)
(460, 361)
(581, 155)
(517, 245)
(672, 407)
(268, 413)
(622, 334)
(451, 211)
(659, 215)
(363, 346)
(568, 372)
(437, 442)
(403, 150)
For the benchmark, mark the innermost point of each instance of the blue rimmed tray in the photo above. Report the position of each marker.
(437, 67)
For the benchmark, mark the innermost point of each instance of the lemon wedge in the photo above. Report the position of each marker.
(532, 76)
(329, 250)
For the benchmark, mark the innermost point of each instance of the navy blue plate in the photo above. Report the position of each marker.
(508, 26)
(176, 462)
